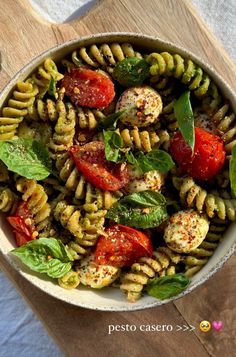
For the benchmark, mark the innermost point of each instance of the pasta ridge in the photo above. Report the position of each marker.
(186, 70)
(161, 263)
(210, 203)
(36, 198)
(17, 109)
(84, 226)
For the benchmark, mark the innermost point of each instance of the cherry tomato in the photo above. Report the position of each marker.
(208, 157)
(122, 246)
(88, 88)
(21, 238)
(105, 175)
(23, 224)
(23, 211)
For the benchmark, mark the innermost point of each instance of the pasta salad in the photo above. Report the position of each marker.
(118, 168)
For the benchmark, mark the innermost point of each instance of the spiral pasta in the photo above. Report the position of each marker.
(87, 118)
(164, 85)
(224, 119)
(70, 280)
(104, 56)
(8, 200)
(186, 70)
(37, 199)
(75, 102)
(85, 227)
(211, 203)
(22, 99)
(162, 263)
(45, 74)
(64, 130)
(143, 139)
(76, 182)
(44, 110)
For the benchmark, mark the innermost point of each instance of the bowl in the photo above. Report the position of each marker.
(111, 299)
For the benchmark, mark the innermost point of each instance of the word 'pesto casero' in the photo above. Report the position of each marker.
(118, 170)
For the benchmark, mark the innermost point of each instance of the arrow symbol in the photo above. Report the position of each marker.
(178, 328)
(185, 328)
(191, 328)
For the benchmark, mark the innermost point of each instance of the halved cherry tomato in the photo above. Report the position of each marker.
(122, 246)
(18, 223)
(105, 175)
(21, 238)
(88, 88)
(23, 224)
(23, 211)
(208, 157)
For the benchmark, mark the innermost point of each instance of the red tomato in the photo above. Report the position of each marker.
(23, 224)
(88, 88)
(105, 175)
(23, 211)
(122, 246)
(208, 157)
(21, 238)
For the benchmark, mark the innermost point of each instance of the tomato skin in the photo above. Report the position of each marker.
(21, 238)
(208, 157)
(88, 88)
(22, 229)
(122, 246)
(138, 237)
(23, 211)
(90, 160)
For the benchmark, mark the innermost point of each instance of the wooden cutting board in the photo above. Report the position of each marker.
(24, 35)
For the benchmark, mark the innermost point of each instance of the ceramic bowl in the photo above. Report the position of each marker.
(111, 299)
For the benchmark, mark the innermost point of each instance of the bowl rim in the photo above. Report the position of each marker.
(122, 36)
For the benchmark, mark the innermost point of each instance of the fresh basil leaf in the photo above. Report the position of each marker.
(52, 87)
(113, 142)
(111, 120)
(167, 286)
(154, 160)
(28, 158)
(184, 115)
(45, 255)
(232, 172)
(140, 210)
(130, 158)
(145, 199)
(131, 71)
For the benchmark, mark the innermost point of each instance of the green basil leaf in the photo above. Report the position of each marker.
(131, 71)
(52, 87)
(130, 158)
(167, 286)
(111, 120)
(113, 142)
(45, 255)
(145, 199)
(140, 210)
(28, 158)
(232, 172)
(184, 115)
(155, 160)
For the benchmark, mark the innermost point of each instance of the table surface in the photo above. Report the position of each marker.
(83, 331)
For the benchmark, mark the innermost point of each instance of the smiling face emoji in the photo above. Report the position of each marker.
(205, 326)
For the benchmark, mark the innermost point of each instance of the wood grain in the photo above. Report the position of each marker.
(79, 331)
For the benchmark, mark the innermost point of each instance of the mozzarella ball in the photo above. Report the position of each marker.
(142, 104)
(152, 180)
(96, 276)
(186, 231)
